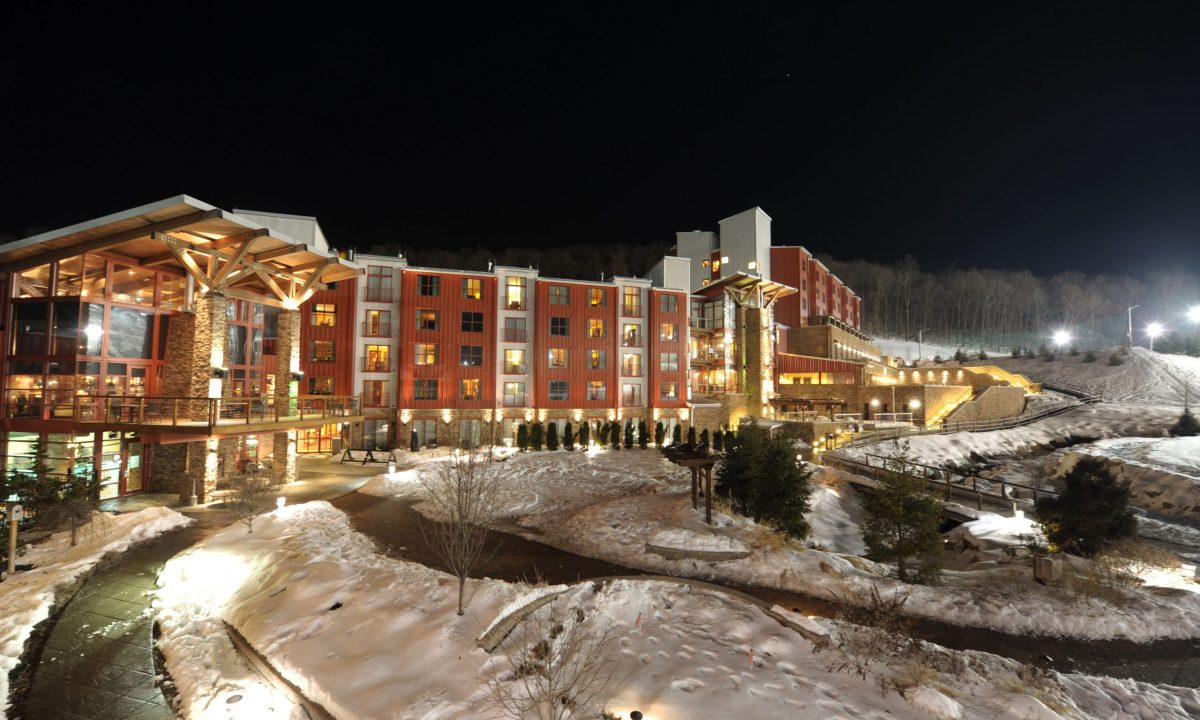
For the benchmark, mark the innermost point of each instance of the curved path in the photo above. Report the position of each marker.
(395, 526)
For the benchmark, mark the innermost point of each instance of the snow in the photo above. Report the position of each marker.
(907, 349)
(27, 597)
(389, 484)
(395, 647)
(836, 515)
(1000, 530)
(682, 539)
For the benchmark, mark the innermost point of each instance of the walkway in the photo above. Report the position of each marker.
(98, 663)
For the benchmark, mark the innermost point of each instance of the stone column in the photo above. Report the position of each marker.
(757, 359)
(201, 470)
(283, 459)
(288, 344)
(195, 344)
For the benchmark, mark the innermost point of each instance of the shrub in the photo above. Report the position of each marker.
(660, 433)
(692, 436)
(1016, 353)
(704, 439)
(614, 435)
(1089, 357)
(1029, 354)
(568, 436)
(1115, 359)
(718, 441)
(902, 524)
(1074, 351)
(552, 436)
(523, 437)
(761, 475)
(584, 432)
(643, 435)
(960, 356)
(537, 435)
(1186, 426)
(1091, 514)
(677, 435)
(983, 355)
(937, 360)
(628, 434)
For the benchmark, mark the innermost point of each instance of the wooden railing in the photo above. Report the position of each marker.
(189, 411)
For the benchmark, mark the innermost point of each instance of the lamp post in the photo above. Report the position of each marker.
(1129, 336)
(1153, 330)
(1060, 338)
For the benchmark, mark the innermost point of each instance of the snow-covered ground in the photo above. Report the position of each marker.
(26, 598)
(908, 349)
(371, 637)
(610, 504)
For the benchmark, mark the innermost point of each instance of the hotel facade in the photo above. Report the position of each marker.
(173, 345)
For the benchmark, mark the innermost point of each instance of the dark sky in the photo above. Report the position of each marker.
(1047, 136)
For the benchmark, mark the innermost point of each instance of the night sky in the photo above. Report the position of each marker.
(1047, 136)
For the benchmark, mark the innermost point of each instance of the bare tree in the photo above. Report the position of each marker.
(251, 498)
(559, 664)
(464, 498)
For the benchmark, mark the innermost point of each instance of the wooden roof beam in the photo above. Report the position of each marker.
(232, 263)
(279, 252)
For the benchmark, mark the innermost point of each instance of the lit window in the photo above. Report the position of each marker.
(320, 385)
(668, 391)
(375, 393)
(597, 390)
(472, 288)
(597, 297)
(377, 358)
(558, 357)
(378, 323)
(324, 315)
(427, 319)
(597, 359)
(514, 293)
(596, 327)
(669, 331)
(631, 302)
(631, 394)
(470, 389)
(426, 354)
(631, 365)
(514, 394)
(514, 362)
(631, 335)
(321, 351)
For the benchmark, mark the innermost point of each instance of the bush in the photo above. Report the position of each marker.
(704, 439)
(902, 524)
(1186, 426)
(1016, 353)
(584, 433)
(643, 435)
(937, 360)
(1029, 354)
(568, 436)
(614, 435)
(1089, 357)
(523, 437)
(1091, 514)
(537, 435)
(762, 477)
(660, 433)
(960, 356)
(628, 434)
(1074, 351)
(983, 355)
(552, 436)
(691, 436)
(676, 435)
(1115, 359)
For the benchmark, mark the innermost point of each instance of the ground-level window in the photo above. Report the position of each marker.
(426, 431)
(375, 434)
(468, 433)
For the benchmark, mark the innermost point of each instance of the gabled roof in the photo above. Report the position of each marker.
(742, 286)
(221, 250)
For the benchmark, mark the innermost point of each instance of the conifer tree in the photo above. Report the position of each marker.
(763, 479)
(643, 436)
(704, 439)
(584, 432)
(692, 436)
(1186, 426)
(536, 436)
(718, 441)
(552, 436)
(676, 435)
(628, 434)
(569, 436)
(615, 435)
(1091, 513)
(902, 524)
(660, 433)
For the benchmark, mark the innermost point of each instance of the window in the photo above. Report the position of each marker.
(631, 394)
(379, 283)
(597, 297)
(559, 294)
(320, 385)
(558, 326)
(375, 393)
(597, 390)
(427, 319)
(514, 293)
(321, 351)
(558, 357)
(631, 365)
(669, 331)
(472, 322)
(668, 303)
(596, 359)
(425, 389)
(668, 391)
(472, 288)
(378, 323)
(668, 362)
(428, 285)
(514, 329)
(514, 394)
(558, 389)
(324, 315)
(426, 354)
(514, 362)
(470, 355)
(469, 389)
(596, 328)
(377, 358)
(631, 302)
(631, 335)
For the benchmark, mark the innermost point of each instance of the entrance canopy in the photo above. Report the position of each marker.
(221, 251)
(745, 289)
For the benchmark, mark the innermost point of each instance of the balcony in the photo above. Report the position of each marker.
(631, 311)
(370, 329)
(515, 335)
(699, 323)
(516, 370)
(191, 414)
(632, 341)
(514, 400)
(631, 372)
(513, 304)
(376, 294)
(376, 366)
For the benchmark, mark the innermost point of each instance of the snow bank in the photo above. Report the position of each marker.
(683, 539)
(997, 529)
(836, 516)
(26, 598)
(389, 484)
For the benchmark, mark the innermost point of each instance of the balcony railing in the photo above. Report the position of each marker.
(377, 294)
(628, 310)
(370, 329)
(700, 323)
(195, 412)
(515, 304)
(514, 400)
(376, 366)
(631, 341)
(514, 335)
(631, 372)
(516, 370)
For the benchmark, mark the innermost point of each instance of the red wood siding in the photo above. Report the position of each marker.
(449, 338)
(342, 295)
(789, 265)
(578, 344)
(656, 346)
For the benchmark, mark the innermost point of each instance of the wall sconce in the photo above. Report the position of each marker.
(541, 416)
(752, 265)
(874, 402)
(725, 259)
(487, 416)
(683, 415)
(218, 373)
(577, 414)
(297, 375)
(405, 416)
(447, 416)
(529, 415)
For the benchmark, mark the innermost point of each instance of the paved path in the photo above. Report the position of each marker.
(98, 661)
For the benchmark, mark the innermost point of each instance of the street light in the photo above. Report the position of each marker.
(1061, 337)
(1153, 330)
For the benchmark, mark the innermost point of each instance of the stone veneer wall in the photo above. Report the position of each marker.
(757, 358)
(169, 469)
(190, 343)
(288, 345)
(995, 403)
(731, 408)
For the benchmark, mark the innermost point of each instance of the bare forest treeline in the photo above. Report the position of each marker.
(1001, 309)
(573, 262)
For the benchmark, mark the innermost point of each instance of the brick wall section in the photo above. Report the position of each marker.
(995, 403)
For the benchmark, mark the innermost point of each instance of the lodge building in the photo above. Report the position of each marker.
(171, 345)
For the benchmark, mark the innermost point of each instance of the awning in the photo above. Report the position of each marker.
(745, 287)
